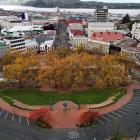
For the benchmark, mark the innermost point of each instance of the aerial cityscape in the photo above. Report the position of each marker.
(69, 70)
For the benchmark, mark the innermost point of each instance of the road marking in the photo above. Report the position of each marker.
(135, 102)
(100, 121)
(126, 109)
(106, 118)
(116, 114)
(111, 116)
(135, 99)
(121, 112)
(13, 117)
(131, 105)
(19, 119)
(6, 115)
(73, 135)
(1, 112)
(28, 121)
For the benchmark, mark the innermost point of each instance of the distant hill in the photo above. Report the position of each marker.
(80, 4)
(13, 2)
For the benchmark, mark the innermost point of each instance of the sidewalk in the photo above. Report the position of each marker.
(70, 118)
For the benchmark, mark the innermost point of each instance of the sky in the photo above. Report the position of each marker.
(111, 1)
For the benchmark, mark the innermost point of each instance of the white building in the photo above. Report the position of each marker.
(46, 46)
(31, 45)
(97, 46)
(15, 43)
(100, 27)
(77, 37)
(45, 43)
(136, 31)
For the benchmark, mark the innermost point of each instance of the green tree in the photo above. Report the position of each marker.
(126, 19)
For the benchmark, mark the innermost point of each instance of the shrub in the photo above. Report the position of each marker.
(88, 118)
(118, 97)
(41, 117)
(9, 100)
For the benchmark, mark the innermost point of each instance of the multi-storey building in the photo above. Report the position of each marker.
(100, 41)
(136, 31)
(15, 43)
(100, 27)
(101, 15)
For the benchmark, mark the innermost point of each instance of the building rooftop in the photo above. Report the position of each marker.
(50, 32)
(78, 32)
(30, 42)
(101, 24)
(42, 38)
(108, 36)
(126, 43)
(39, 18)
(21, 29)
(74, 21)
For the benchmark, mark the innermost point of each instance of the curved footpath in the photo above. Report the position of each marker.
(71, 117)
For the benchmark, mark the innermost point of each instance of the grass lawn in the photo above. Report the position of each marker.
(37, 97)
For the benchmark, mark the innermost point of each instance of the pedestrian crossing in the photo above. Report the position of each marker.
(122, 111)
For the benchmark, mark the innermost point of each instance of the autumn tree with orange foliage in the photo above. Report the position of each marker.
(42, 117)
(63, 68)
(23, 68)
(71, 71)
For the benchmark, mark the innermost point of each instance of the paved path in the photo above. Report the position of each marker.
(126, 117)
(70, 118)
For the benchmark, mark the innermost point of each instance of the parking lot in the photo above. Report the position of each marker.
(122, 112)
(12, 118)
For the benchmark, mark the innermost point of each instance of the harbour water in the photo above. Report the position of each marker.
(131, 12)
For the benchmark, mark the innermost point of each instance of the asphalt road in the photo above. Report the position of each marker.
(125, 119)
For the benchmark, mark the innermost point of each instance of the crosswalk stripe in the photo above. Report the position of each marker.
(100, 121)
(111, 116)
(116, 114)
(121, 112)
(105, 118)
